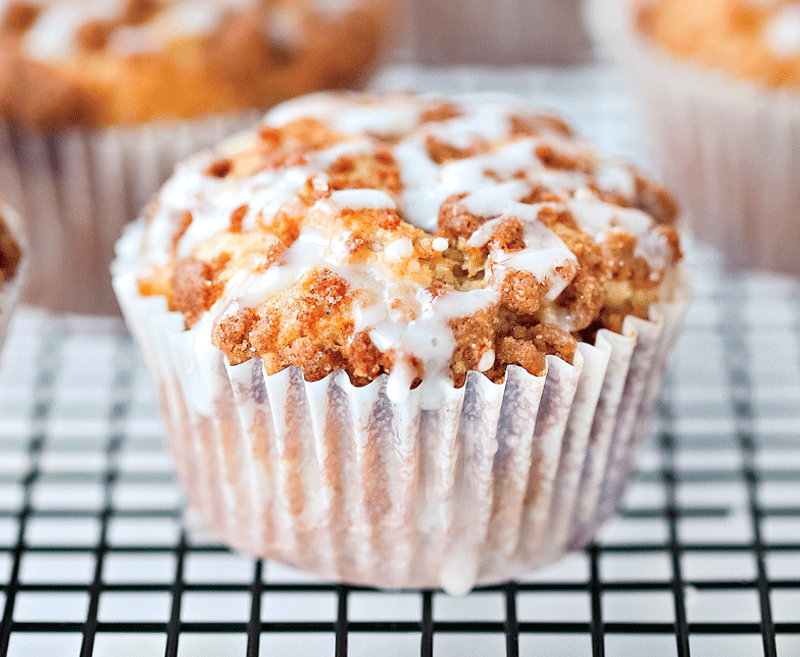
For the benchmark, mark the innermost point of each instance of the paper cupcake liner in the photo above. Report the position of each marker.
(12, 289)
(499, 479)
(729, 148)
(77, 188)
(496, 32)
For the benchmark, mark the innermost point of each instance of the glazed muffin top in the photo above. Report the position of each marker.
(751, 39)
(10, 253)
(422, 237)
(104, 62)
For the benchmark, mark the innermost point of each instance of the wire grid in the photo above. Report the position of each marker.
(703, 559)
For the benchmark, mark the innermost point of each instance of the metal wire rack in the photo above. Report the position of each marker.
(703, 559)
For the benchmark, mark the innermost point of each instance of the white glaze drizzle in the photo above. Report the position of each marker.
(333, 8)
(212, 200)
(400, 315)
(597, 219)
(782, 32)
(485, 120)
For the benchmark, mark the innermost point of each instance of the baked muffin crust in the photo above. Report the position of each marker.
(751, 39)
(415, 236)
(106, 62)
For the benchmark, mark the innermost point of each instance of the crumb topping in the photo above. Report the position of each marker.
(336, 237)
(755, 39)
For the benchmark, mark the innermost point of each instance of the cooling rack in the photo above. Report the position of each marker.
(98, 556)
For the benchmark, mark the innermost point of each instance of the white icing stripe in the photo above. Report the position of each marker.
(212, 201)
(399, 249)
(782, 33)
(596, 218)
(488, 122)
(362, 199)
(440, 244)
(53, 35)
(544, 253)
(544, 256)
(615, 177)
(344, 114)
(486, 201)
(382, 120)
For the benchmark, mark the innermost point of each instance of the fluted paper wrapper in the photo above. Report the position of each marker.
(730, 148)
(77, 188)
(12, 289)
(492, 482)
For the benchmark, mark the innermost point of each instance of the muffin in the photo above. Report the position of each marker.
(13, 266)
(405, 340)
(720, 84)
(101, 98)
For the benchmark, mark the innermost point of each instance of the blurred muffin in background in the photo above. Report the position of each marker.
(100, 98)
(720, 81)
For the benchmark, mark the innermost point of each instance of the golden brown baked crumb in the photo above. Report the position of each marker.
(440, 112)
(195, 287)
(531, 125)
(653, 198)
(238, 217)
(19, 17)
(454, 219)
(440, 151)
(220, 169)
(378, 171)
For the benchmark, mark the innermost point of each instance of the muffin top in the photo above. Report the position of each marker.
(104, 62)
(422, 237)
(10, 253)
(752, 39)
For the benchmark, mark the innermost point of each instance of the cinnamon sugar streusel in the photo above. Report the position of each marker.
(419, 237)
